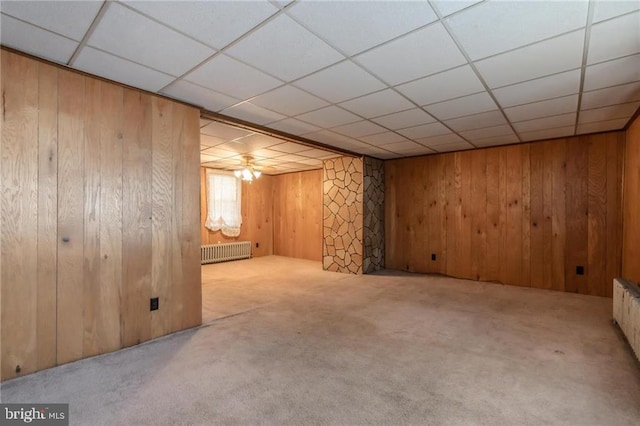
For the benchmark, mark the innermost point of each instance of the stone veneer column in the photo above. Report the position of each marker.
(342, 215)
(373, 215)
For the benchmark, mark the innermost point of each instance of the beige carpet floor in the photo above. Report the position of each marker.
(289, 344)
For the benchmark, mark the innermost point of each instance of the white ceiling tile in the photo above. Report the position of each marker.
(285, 49)
(487, 132)
(340, 82)
(207, 141)
(453, 146)
(252, 113)
(311, 162)
(235, 147)
(421, 150)
(231, 19)
(353, 26)
(566, 83)
(224, 131)
(68, 18)
(237, 159)
(327, 137)
(218, 153)
(540, 109)
(207, 158)
(547, 57)
(267, 162)
(496, 141)
(130, 35)
(229, 163)
(409, 118)
(291, 158)
(289, 100)
(376, 152)
(477, 121)
(377, 104)
(614, 38)
(233, 78)
(446, 85)
(611, 95)
(416, 53)
(435, 141)
(108, 66)
(265, 167)
(259, 141)
(447, 7)
(204, 121)
(295, 167)
(608, 113)
(359, 129)
(383, 138)
(197, 95)
(562, 120)
(405, 147)
(496, 26)
(330, 116)
(266, 153)
(249, 144)
(281, 3)
(293, 126)
(605, 9)
(314, 153)
(334, 139)
(612, 73)
(333, 154)
(36, 41)
(349, 144)
(558, 132)
(602, 126)
(472, 104)
(289, 147)
(424, 131)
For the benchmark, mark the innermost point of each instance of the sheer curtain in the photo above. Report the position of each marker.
(223, 203)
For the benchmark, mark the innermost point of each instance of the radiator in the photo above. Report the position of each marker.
(213, 253)
(626, 311)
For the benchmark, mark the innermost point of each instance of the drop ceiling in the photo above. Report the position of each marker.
(386, 79)
(228, 147)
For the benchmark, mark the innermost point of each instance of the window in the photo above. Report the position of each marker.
(223, 203)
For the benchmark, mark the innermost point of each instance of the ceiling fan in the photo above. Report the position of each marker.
(249, 171)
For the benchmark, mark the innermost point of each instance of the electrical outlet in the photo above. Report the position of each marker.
(154, 304)
(433, 256)
(579, 270)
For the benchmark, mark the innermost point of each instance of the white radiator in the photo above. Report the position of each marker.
(213, 253)
(626, 311)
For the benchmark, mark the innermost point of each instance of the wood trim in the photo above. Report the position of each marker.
(633, 118)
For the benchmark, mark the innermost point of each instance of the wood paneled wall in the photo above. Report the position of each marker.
(283, 213)
(297, 212)
(524, 215)
(257, 216)
(631, 244)
(99, 213)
